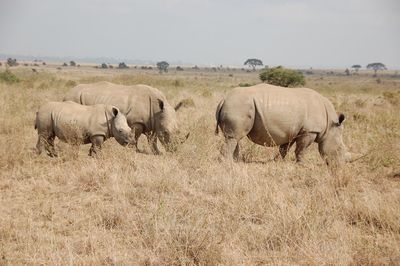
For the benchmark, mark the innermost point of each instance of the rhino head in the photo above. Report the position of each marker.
(167, 128)
(332, 148)
(119, 127)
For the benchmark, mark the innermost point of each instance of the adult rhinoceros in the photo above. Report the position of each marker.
(270, 115)
(146, 109)
(79, 124)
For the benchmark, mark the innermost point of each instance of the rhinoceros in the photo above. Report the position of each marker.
(276, 116)
(79, 124)
(146, 109)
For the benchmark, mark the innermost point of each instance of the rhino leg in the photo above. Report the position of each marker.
(152, 139)
(232, 149)
(96, 141)
(40, 145)
(138, 130)
(50, 147)
(284, 149)
(302, 142)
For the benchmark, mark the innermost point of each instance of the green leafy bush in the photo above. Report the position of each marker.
(8, 77)
(282, 77)
(245, 84)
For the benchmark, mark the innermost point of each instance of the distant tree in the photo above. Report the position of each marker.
(72, 63)
(104, 65)
(44, 63)
(376, 67)
(282, 77)
(195, 67)
(253, 62)
(347, 71)
(162, 66)
(178, 68)
(110, 66)
(356, 67)
(122, 65)
(12, 62)
(65, 64)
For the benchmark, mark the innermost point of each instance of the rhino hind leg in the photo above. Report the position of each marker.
(284, 149)
(232, 149)
(302, 143)
(40, 145)
(50, 147)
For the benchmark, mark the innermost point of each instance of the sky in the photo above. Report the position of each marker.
(292, 33)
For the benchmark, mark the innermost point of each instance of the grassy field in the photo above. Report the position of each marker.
(186, 208)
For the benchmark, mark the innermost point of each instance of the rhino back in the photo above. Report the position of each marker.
(133, 101)
(72, 121)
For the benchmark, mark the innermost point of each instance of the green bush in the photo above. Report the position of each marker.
(8, 77)
(245, 84)
(282, 77)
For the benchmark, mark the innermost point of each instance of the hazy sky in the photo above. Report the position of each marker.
(302, 33)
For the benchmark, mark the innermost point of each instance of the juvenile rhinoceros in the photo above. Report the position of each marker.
(146, 109)
(79, 124)
(270, 115)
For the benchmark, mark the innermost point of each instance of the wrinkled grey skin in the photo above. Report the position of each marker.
(275, 116)
(146, 109)
(78, 124)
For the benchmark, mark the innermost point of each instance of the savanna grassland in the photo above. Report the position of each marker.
(187, 208)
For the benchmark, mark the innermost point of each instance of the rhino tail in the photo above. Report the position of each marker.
(36, 120)
(217, 114)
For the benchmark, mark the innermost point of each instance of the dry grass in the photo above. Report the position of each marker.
(187, 208)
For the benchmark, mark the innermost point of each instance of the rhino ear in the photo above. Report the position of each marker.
(115, 111)
(161, 104)
(342, 118)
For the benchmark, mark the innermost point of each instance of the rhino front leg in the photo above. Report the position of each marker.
(95, 149)
(302, 142)
(137, 130)
(152, 139)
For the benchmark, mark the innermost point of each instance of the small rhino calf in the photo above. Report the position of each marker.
(78, 124)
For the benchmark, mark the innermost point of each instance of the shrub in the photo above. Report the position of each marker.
(282, 77)
(245, 84)
(12, 62)
(163, 66)
(122, 65)
(72, 63)
(8, 77)
(104, 65)
(70, 84)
